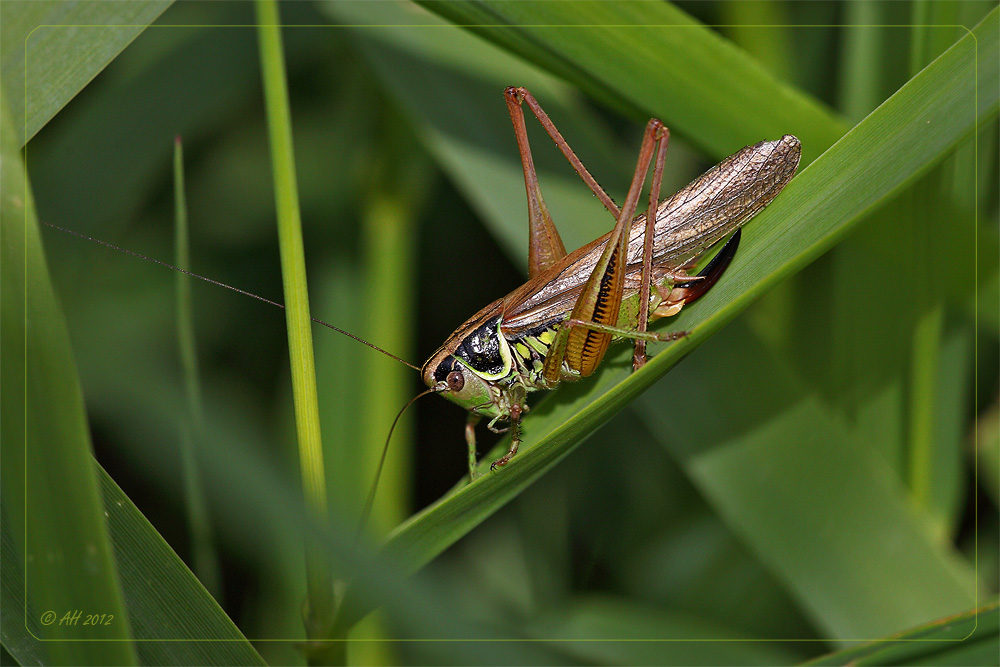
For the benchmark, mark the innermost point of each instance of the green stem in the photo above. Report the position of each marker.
(206, 562)
(319, 578)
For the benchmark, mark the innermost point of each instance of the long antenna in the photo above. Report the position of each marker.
(228, 287)
(366, 512)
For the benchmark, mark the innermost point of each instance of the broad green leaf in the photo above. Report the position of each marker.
(728, 583)
(937, 377)
(50, 497)
(165, 601)
(871, 163)
(874, 375)
(799, 488)
(53, 48)
(743, 21)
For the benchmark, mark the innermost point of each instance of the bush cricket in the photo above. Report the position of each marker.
(558, 325)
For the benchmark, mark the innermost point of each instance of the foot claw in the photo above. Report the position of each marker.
(500, 462)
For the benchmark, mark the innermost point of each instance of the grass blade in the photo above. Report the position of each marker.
(293, 271)
(50, 495)
(51, 50)
(972, 638)
(192, 428)
(652, 59)
(787, 475)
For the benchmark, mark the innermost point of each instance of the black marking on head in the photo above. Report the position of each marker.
(445, 367)
(481, 348)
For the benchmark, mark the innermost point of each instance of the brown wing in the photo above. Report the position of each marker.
(696, 217)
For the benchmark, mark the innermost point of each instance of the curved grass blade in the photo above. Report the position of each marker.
(50, 495)
(972, 638)
(51, 50)
(155, 585)
(652, 59)
(165, 600)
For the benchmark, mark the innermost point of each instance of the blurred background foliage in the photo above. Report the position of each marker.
(808, 474)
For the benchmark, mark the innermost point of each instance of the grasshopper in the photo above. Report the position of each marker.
(557, 326)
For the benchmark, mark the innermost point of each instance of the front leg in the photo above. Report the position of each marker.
(515, 437)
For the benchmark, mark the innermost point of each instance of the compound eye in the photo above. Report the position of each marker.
(455, 381)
